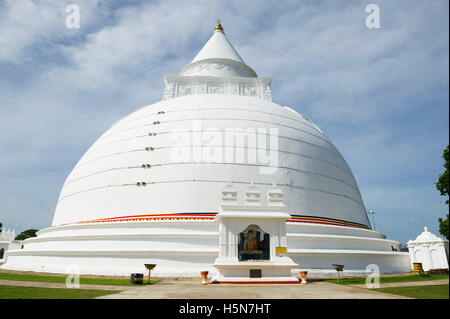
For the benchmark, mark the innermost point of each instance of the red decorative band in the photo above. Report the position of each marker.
(151, 217)
(258, 282)
(324, 220)
(211, 216)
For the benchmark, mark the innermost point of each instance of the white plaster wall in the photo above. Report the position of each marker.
(185, 248)
(4, 245)
(432, 256)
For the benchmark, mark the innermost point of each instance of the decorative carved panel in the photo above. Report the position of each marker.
(186, 85)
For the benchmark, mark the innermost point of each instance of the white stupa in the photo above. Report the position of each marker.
(429, 250)
(148, 190)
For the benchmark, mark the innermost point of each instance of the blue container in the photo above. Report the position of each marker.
(137, 279)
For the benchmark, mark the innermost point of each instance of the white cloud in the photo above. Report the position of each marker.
(27, 26)
(141, 42)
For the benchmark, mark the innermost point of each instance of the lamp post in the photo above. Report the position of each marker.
(372, 212)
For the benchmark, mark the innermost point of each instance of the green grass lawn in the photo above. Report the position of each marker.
(10, 292)
(62, 279)
(388, 279)
(419, 292)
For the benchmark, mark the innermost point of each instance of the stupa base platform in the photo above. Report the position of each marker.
(255, 272)
(265, 280)
(99, 249)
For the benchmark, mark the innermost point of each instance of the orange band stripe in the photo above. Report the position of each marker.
(323, 220)
(211, 216)
(150, 217)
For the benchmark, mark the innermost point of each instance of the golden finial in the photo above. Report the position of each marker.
(219, 26)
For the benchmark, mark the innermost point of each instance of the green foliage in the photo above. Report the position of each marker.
(26, 234)
(443, 181)
(442, 186)
(443, 227)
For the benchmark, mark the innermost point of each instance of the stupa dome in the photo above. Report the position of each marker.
(149, 189)
(130, 170)
(426, 237)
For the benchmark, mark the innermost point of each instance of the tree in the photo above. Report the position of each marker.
(26, 234)
(1, 225)
(442, 186)
(442, 183)
(443, 227)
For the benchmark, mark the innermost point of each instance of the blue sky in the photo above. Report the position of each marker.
(381, 95)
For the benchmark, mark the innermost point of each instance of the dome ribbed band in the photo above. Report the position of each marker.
(211, 216)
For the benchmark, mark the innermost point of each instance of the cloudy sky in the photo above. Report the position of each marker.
(381, 95)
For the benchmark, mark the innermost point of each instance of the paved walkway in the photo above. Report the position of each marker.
(410, 283)
(193, 290)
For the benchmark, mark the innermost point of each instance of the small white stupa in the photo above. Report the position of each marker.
(430, 250)
(7, 242)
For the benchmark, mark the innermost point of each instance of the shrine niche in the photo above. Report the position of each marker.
(253, 244)
(250, 234)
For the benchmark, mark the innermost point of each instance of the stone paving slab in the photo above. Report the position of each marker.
(193, 290)
(58, 285)
(409, 283)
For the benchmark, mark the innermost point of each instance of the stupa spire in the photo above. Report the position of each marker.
(218, 47)
(219, 26)
(217, 69)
